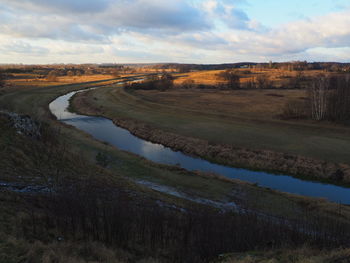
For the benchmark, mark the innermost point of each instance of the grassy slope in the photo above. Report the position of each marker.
(35, 102)
(305, 255)
(199, 114)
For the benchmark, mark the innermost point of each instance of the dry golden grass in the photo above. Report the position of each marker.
(210, 77)
(83, 78)
(32, 80)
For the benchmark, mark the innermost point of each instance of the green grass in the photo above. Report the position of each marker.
(34, 101)
(317, 140)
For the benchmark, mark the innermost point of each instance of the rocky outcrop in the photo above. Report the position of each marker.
(23, 124)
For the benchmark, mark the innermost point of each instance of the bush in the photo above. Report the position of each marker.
(262, 81)
(339, 99)
(2, 80)
(232, 79)
(295, 110)
(188, 84)
(102, 159)
(152, 82)
(52, 76)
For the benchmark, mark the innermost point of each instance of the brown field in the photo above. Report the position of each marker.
(33, 80)
(258, 104)
(277, 76)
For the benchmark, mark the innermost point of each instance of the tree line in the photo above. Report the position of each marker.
(161, 82)
(327, 98)
(127, 220)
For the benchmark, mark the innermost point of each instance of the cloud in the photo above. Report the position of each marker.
(158, 30)
(157, 14)
(59, 6)
(97, 20)
(228, 12)
(21, 47)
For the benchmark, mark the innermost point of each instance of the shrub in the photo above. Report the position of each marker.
(232, 79)
(2, 80)
(102, 159)
(52, 76)
(295, 110)
(262, 81)
(188, 84)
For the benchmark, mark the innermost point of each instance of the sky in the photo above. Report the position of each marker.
(183, 31)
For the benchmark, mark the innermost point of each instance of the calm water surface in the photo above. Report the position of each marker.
(105, 130)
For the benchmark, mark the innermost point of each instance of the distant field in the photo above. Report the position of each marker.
(34, 101)
(32, 80)
(241, 118)
(277, 76)
(261, 104)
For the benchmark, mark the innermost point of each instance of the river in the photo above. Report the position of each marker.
(105, 130)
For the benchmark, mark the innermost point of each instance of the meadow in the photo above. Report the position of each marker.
(248, 119)
(78, 166)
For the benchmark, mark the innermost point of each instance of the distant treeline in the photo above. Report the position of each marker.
(179, 67)
(162, 82)
(295, 65)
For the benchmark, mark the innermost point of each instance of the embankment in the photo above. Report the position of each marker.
(254, 159)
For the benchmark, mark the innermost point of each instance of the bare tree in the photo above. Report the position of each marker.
(115, 73)
(70, 73)
(339, 101)
(52, 76)
(232, 78)
(2, 80)
(166, 81)
(188, 84)
(318, 95)
(262, 81)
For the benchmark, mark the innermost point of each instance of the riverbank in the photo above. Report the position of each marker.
(276, 162)
(125, 165)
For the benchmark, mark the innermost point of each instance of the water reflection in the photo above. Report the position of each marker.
(105, 130)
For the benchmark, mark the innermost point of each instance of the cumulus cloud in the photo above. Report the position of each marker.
(329, 31)
(228, 12)
(90, 19)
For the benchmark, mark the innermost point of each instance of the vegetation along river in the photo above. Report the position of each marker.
(105, 130)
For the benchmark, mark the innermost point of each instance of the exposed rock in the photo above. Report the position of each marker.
(23, 124)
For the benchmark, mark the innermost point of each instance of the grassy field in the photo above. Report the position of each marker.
(34, 81)
(34, 101)
(277, 77)
(240, 118)
(304, 255)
